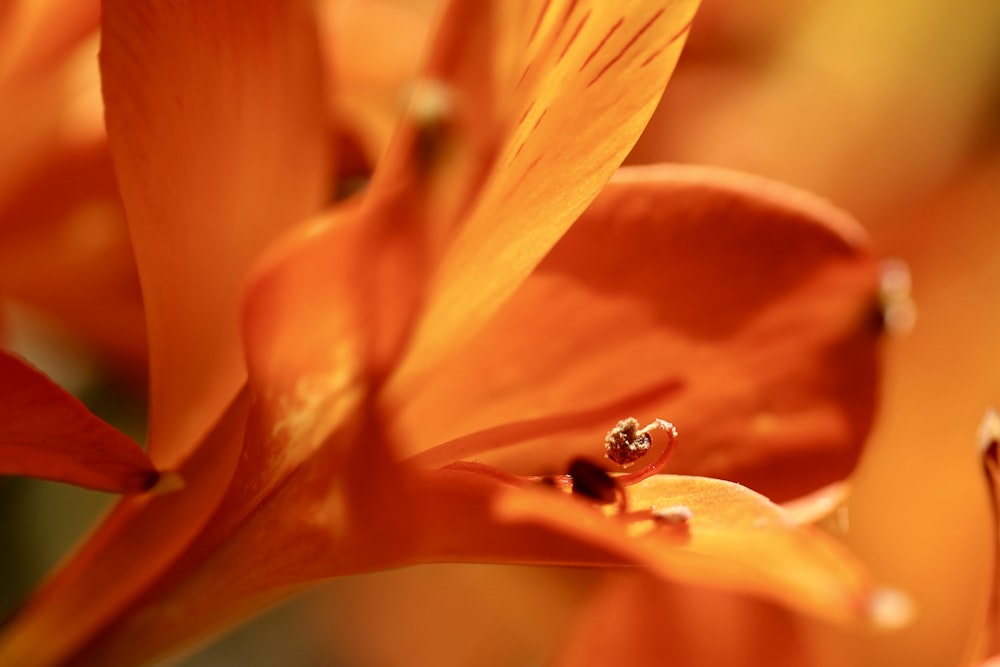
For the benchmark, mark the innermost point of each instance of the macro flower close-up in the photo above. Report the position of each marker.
(459, 306)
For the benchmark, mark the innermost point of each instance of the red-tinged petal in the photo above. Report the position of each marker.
(133, 546)
(735, 539)
(216, 126)
(45, 432)
(541, 118)
(739, 309)
(636, 620)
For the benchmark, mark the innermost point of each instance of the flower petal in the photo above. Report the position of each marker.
(45, 432)
(142, 537)
(735, 540)
(739, 309)
(216, 127)
(542, 101)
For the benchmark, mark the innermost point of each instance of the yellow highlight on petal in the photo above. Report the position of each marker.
(318, 404)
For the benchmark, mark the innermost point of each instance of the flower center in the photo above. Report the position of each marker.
(624, 444)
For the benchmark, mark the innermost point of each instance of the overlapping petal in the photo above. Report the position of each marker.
(215, 123)
(134, 545)
(569, 89)
(741, 310)
(736, 540)
(45, 432)
(488, 168)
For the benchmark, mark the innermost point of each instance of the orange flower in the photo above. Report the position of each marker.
(419, 360)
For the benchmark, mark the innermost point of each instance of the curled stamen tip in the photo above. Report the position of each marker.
(168, 482)
(988, 433)
(625, 444)
(890, 609)
(673, 515)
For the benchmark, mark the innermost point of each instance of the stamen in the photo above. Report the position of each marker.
(624, 444)
(592, 481)
(899, 314)
(661, 460)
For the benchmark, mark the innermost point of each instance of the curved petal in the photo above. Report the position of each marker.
(45, 432)
(216, 126)
(531, 131)
(741, 310)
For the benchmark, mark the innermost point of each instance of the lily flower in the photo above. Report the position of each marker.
(427, 372)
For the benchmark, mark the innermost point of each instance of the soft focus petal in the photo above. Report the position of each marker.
(45, 432)
(66, 252)
(741, 310)
(216, 127)
(368, 87)
(635, 620)
(37, 35)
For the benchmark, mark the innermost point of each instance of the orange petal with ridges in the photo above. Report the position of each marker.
(216, 126)
(567, 93)
(45, 432)
(739, 309)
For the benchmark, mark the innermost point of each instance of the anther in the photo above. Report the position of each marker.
(624, 444)
(432, 108)
(644, 434)
(592, 481)
(898, 313)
